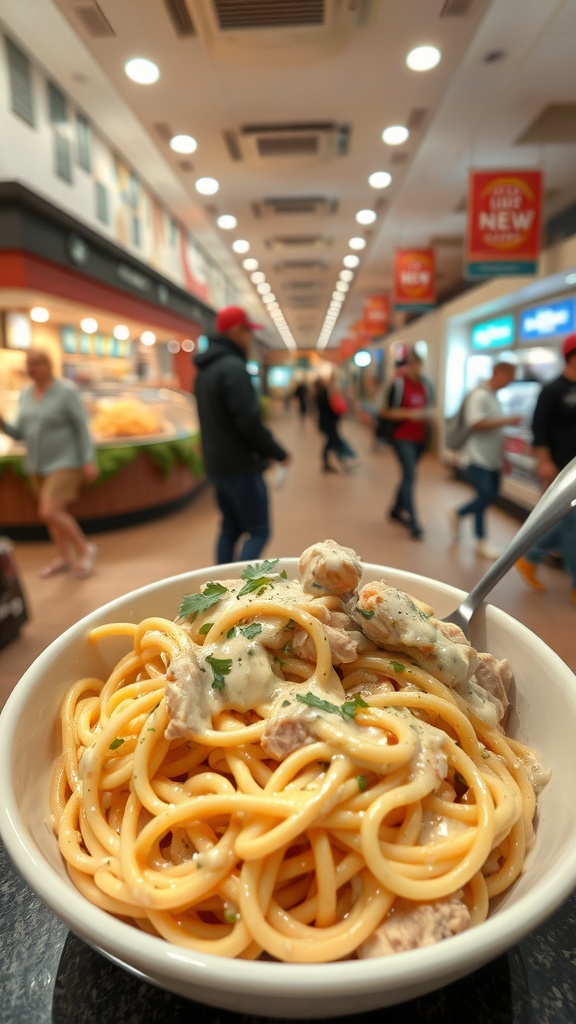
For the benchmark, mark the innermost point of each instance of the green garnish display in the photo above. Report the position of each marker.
(347, 710)
(194, 603)
(220, 668)
(116, 743)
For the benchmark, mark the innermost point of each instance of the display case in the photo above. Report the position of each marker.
(148, 454)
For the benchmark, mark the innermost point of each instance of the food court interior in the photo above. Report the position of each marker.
(157, 168)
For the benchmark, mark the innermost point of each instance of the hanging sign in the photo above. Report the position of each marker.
(414, 279)
(548, 321)
(376, 315)
(504, 223)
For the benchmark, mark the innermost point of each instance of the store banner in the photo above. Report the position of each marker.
(414, 279)
(504, 223)
(376, 315)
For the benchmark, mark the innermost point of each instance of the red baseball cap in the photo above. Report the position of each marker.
(234, 316)
(569, 345)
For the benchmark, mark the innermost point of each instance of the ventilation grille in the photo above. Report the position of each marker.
(457, 8)
(399, 158)
(163, 131)
(302, 286)
(296, 242)
(305, 142)
(287, 266)
(555, 124)
(312, 206)
(180, 18)
(93, 20)
(238, 14)
(416, 118)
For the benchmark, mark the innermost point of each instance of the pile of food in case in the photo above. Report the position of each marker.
(125, 417)
(306, 769)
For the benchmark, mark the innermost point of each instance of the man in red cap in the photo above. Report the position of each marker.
(236, 445)
(554, 441)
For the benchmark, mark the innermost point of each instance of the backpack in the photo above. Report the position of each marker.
(456, 430)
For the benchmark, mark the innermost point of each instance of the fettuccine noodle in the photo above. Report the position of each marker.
(239, 785)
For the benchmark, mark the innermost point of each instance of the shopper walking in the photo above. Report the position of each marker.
(409, 404)
(53, 423)
(554, 443)
(482, 453)
(236, 445)
(330, 407)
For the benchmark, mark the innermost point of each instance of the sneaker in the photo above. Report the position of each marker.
(398, 516)
(86, 566)
(527, 571)
(485, 550)
(455, 520)
(416, 532)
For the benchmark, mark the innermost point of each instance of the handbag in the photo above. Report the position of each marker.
(338, 404)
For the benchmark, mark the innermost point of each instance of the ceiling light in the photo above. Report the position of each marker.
(346, 275)
(395, 135)
(39, 314)
(227, 222)
(207, 186)
(362, 358)
(342, 286)
(142, 71)
(89, 325)
(569, 279)
(269, 297)
(380, 179)
(263, 288)
(272, 306)
(357, 243)
(366, 216)
(258, 276)
(183, 144)
(240, 245)
(148, 338)
(187, 345)
(250, 263)
(173, 347)
(423, 58)
(338, 296)
(121, 332)
(351, 260)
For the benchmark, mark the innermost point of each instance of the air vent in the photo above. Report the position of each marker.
(237, 14)
(457, 8)
(93, 20)
(186, 165)
(399, 158)
(296, 242)
(306, 285)
(180, 18)
(287, 266)
(555, 124)
(416, 118)
(163, 131)
(310, 143)
(311, 206)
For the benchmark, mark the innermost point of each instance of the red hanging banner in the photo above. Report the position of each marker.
(376, 315)
(414, 279)
(504, 223)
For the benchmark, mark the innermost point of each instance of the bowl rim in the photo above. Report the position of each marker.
(140, 952)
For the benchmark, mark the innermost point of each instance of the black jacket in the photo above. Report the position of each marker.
(235, 442)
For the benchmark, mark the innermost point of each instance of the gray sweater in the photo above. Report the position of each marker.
(54, 428)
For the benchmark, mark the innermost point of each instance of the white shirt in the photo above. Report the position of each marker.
(483, 447)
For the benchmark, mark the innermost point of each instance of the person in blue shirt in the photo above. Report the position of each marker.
(53, 424)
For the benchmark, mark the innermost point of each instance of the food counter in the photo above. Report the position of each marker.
(148, 455)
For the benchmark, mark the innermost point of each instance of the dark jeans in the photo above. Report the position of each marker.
(336, 443)
(408, 454)
(243, 502)
(486, 483)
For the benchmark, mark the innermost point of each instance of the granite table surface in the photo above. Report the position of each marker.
(50, 976)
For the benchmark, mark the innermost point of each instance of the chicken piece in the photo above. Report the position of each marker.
(390, 618)
(343, 645)
(329, 568)
(188, 700)
(424, 926)
(285, 733)
(495, 676)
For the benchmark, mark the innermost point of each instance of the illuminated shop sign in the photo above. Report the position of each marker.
(493, 334)
(547, 321)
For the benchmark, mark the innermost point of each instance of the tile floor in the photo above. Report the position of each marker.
(310, 506)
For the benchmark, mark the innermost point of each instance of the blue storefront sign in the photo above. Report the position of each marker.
(547, 321)
(492, 334)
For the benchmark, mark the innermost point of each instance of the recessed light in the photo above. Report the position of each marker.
(258, 276)
(207, 186)
(351, 261)
(173, 347)
(183, 144)
(227, 222)
(366, 216)
(39, 314)
(148, 338)
(569, 279)
(263, 287)
(342, 286)
(187, 345)
(240, 245)
(357, 243)
(338, 296)
(250, 263)
(395, 135)
(269, 298)
(346, 275)
(89, 325)
(121, 332)
(142, 71)
(423, 58)
(380, 179)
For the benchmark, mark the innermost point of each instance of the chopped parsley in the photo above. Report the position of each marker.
(398, 666)
(251, 630)
(205, 628)
(116, 743)
(347, 710)
(285, 703)
(231, 632)
(362, 782)
(366, 614)
(194, 603)
(220, 668)
(257, 577)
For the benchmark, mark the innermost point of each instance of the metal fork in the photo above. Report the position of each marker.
(556, 501)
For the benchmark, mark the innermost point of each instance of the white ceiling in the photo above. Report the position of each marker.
(347, 71)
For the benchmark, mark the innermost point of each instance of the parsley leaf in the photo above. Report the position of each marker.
(367, 615)
(205, 628)
(254, 572)
(116, 743)
(398, 666)
(347, 710)
(220, 668)
(362, 782)
(194, 603)
(251, 630)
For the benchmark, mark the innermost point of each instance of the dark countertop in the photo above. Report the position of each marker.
(49, 976)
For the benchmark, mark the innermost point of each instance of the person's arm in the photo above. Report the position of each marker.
(546, 469)
(480, 418)
(79, 418)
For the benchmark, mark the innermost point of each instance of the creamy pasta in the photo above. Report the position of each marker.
(303, 769)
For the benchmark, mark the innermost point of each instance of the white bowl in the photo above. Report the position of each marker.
(544, 717)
